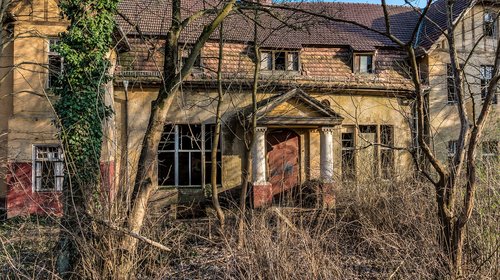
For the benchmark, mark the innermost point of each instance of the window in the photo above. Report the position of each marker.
(486, 76)
(490, 150)
(184, 155)
(348, 156)
(48, 168)
(386, 151)
(280, 60)
(185, 53)
(55, 64)
(450, 82)
(489, 24)
(363, 63)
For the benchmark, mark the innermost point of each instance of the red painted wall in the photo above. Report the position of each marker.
(21, 200)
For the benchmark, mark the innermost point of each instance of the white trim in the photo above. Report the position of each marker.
(58, 183)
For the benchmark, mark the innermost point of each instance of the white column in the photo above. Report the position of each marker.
(326, 154)
(259, 157)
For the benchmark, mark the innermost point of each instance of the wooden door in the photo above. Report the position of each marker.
(283, 160)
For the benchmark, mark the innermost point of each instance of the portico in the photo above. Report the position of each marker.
(276, 151)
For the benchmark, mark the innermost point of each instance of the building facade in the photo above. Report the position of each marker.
(334, 101)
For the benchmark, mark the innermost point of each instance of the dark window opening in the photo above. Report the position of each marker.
(386, 151)
(55, 64)
(450, 82)
(184, 156)
(185, 53)
(348, 156)
(280, 60)
(490, 24)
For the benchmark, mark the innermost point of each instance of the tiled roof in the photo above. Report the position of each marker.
(153, 18)
(436, 21)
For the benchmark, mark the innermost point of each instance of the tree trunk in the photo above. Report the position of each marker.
(220, 97)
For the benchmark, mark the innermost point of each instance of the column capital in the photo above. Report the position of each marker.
(261, 129)
(327, 129)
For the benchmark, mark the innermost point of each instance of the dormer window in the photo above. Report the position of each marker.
(490, 24)
(280, 60)
(185, 53)
(363, 63)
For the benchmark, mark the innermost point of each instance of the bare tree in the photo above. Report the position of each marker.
(453, 213)
(146, 180)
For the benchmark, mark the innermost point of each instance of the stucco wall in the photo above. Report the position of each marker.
(444, 118)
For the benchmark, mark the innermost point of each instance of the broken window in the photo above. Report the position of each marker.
(184, 155)
(387, 151)
(489, 24)
(280, 60)
(48, 168)
(55, 64)
(363, 63)
(348, 156)
(486, 76)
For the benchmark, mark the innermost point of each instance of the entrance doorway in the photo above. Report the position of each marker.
(283, 161)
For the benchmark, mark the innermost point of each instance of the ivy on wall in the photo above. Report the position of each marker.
(81, 87)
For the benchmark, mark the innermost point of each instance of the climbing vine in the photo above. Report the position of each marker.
(81, 109)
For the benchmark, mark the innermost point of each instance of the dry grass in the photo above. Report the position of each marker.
(380, 231)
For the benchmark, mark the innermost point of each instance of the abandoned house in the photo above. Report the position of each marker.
(334, 100)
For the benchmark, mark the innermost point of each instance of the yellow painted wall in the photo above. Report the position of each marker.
(444, 117)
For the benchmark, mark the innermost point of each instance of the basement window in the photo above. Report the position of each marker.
(184, 155)
(280, 60)
(55, 64)
(489, 24)
(48, 168)
(486, 76)
(363, 63)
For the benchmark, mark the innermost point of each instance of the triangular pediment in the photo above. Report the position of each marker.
(295, 107)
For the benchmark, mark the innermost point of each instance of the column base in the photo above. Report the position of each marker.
(327, 195)
(262, 194)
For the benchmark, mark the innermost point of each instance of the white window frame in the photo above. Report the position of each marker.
(37, 168)
(268, 58)
(486, 74)
(356, 65)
